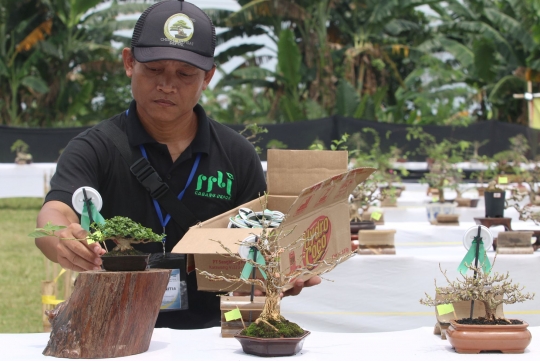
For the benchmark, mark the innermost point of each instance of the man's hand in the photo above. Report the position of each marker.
(299, 285)
(297, 288)
(73, 252)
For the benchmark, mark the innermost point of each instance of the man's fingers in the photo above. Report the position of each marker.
(255, 293)
(299, 285)
(77, 255)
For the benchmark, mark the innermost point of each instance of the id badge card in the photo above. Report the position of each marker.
(172, 299)
(176, 295)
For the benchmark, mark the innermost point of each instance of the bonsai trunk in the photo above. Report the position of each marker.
(490, 310)
(271, 309)
(441, 194)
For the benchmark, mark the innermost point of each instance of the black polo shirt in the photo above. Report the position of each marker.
(228, 175)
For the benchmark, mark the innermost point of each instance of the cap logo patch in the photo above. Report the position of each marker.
(179, 28)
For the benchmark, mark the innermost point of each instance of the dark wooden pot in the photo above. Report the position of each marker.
(271, 347)
(494, 204)
(125, 263)
(363, 225)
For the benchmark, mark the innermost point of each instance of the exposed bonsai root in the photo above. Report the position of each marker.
(268, 323)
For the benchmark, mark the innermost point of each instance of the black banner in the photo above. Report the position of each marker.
(46, 143)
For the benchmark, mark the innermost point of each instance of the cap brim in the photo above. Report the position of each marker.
(146, 54)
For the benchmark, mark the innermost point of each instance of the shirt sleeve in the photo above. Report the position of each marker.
(77, 166)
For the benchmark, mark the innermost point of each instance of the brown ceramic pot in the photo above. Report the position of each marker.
(476, 338)
(271, 347)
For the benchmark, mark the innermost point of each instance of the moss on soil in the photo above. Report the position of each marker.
(286, 329)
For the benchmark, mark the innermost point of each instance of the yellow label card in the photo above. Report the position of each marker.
(233, 315)
(444, 309)
(376, 216)
(503, 180)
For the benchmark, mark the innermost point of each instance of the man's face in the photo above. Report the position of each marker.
(165, 90)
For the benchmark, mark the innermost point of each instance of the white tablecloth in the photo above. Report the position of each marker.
(416, 344)
(381, 293)
(25, 180)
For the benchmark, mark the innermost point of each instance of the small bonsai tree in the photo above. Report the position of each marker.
(441, 156)
(121, 230)
(271, 324)
(381, 185)
(490, 289)
(124, 233)
(21, 149)
(365, 195)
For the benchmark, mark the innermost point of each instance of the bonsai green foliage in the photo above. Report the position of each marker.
(510, 161)
(19, 146)
(21, 149)
(336, 144)
(121, 230)
(490, 289)
(442, 156)
(251, 132)
(273, 329)
(124, 232)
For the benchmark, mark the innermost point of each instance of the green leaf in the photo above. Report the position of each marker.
(36, 84)
(38, 234)
(347, 99)
(289, 60)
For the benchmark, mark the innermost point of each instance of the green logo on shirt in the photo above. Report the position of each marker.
(215, 187)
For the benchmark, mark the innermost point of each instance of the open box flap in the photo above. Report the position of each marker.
(204, 240)
(290, 171)
(326, 193)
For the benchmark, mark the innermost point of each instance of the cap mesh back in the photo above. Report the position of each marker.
(213, 32)
(139, 25)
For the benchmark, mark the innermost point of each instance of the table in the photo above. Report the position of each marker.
(379, 293)
(416, 344)
(25, 180)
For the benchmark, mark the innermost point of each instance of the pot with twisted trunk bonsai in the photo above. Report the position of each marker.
(271, 334)
(488, 333)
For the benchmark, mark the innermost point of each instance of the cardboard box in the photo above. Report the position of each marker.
(312, 189)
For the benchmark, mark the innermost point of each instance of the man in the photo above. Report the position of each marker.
(170, 63)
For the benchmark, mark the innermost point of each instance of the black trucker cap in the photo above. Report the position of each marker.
(175, 30)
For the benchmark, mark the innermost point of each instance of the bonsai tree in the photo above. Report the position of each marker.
(124, 233)
(509, 162)
(365, 195)
(489, 289)
(270, 323)
(442, 157)
(121, 230)
(381, 185)
(21, 149)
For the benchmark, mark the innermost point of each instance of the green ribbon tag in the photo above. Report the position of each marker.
(469, 257)
(96, 216)
(248, 267)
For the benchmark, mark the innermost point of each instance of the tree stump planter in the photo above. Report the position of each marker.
(271, 347)
(109, 314)
(476, 338)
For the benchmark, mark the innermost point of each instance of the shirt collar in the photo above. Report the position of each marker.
(137, 135)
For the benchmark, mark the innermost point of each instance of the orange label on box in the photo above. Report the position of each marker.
(316, 246)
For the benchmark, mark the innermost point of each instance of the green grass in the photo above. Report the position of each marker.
(21, 267)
